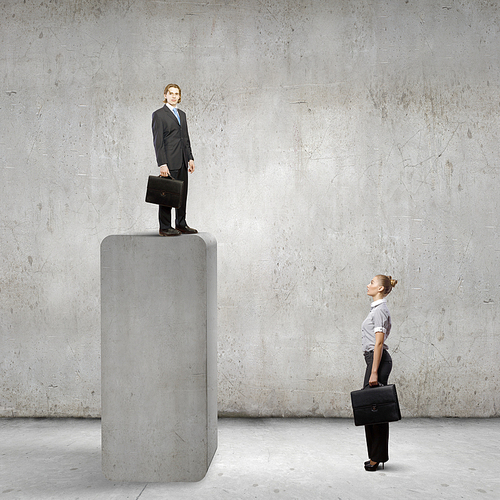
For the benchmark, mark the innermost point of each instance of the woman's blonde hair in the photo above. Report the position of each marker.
(387, 282)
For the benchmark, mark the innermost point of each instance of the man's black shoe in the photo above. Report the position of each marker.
(186, 229)
(169, 232)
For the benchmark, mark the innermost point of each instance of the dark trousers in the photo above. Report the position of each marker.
(164, 213)
(377, 436)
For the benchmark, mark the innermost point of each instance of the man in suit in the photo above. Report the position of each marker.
(174, 156)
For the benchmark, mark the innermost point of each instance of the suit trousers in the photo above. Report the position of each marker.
(377, 436)
(164, 213)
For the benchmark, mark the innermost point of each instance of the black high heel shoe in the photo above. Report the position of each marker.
(372, 468)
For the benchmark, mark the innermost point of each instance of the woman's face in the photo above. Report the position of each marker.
(374, 287)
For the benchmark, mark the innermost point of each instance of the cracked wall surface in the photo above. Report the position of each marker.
(333, 141)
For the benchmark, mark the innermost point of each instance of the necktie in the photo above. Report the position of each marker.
(176, 113)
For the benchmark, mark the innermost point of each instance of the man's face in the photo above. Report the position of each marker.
(172, 96)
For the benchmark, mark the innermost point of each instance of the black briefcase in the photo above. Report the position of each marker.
(375, 405)
(164, 191)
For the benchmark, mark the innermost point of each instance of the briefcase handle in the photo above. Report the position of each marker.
(373, 387)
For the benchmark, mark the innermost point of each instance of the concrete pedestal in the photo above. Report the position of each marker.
(159, 357)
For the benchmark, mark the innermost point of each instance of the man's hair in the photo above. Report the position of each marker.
(169, 86)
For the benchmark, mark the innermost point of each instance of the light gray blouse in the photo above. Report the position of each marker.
(378, 320)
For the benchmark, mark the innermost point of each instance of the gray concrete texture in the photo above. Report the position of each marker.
(333, 140)
(292, 459)
(158, 357)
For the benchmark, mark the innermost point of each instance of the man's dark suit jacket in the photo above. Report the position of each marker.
(170, 139)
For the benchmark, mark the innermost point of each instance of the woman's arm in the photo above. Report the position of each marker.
(377, 356)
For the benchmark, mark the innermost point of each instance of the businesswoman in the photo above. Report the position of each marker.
(375, 330)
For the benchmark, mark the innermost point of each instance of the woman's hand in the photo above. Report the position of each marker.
(373, 380)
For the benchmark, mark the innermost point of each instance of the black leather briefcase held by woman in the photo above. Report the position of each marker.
(164, 191)
(375, 405)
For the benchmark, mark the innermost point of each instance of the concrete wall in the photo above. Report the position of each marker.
(333, 140)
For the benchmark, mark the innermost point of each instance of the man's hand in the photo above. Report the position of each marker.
(164, 171)
(191, 166)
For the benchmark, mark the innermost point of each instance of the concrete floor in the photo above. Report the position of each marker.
(262, 459)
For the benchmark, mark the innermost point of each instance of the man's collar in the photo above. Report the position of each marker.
(169, 106)
(378, 302)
